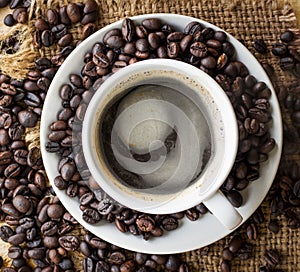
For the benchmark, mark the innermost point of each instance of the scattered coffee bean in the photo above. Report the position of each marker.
(260, 46)
(9, 20)
(287, 36)
(272, 257)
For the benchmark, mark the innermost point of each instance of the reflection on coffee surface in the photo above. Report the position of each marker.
(155, 137)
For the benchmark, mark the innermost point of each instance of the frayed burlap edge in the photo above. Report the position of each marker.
(18, 64)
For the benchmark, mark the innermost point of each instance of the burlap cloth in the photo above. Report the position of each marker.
(247, 21)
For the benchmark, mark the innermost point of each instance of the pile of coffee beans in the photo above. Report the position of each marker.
(20, 11)
(54, 28)
(289, 55)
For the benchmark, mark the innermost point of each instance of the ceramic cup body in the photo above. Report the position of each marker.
(181, 103)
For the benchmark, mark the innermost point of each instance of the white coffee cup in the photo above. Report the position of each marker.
(177, 97)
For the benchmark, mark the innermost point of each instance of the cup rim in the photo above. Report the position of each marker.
(193, 195)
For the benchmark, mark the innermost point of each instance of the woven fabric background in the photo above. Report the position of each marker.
(247, 20)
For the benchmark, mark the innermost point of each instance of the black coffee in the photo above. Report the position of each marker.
(155, 137)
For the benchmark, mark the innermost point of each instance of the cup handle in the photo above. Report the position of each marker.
(221, 208)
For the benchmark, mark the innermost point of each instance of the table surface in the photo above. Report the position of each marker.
(3, 29)
(296, 6)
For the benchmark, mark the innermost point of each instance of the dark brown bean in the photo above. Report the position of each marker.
(17, 239)
(260, 46)
(287, 36)
(198, 49)
(235, 243)
(69, 242)
(152, 23)
(73, 13)
(272, 257)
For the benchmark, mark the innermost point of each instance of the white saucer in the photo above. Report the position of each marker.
(189, 235)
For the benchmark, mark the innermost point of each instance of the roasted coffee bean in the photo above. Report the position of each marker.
(4, 3)
(76, 80)
(41, 24)
(145, 223)
(235, 198)
(172, 263)
(251, 231)
(173, 50)
(58, 125)
(169, 223)
(260, 46)
(60, 31)
(235, 243)
(198, 49)
(5, 120)
(34, 158)
(245, 252)
(258, 216)
(117, 257)
(100, 59)
(66, 264)
(14, 252)
(279, 49)
(26, 223)
(90, 17)
(91, 216)
(21, 203)
(142, 45)
(31, 86)
(152, 23)
(49, 73)
(287, 63)
(68, 170)
(159, 259)
(273, 226)
(55, 211)
(5, 157)
(52, 16)
(192, 28)
(272, 257)
(287, 36)
(69, 242)
(52, 147)
(20, 15)
(228, 49)
(88, 30)
(47, 38)
(88, 265)
(49, 228)
(5, 232)
(154, 40)
(175, 37)
(73, 13)
(9, 20)
(209, 62)
(16, 131)
(12, 170)
(4, 137)
(128, 30)
(227, 254)
(11, 183)
(27, 118)
(36, 253)
(32, 99)
(17, 239)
